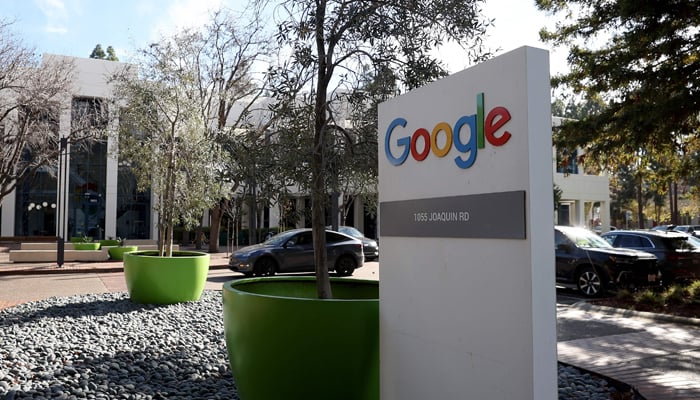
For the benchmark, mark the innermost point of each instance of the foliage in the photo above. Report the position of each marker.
(163, 137)
(643, 62)
(98, 53)
(33, 95)
(694, 292)
(330, 43)
(642, 59)
(557, 196)
(187, 114)
(674, 295)
(648, 298)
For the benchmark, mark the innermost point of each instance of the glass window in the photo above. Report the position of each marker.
(87, 189)
(632, 241)
(133, 207)
(35, 205)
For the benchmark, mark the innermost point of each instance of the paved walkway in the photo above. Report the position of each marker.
(660, 358)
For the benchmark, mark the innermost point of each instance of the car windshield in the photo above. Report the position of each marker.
(586, 239)
(683, 243)
(349, 230)
(693, 241)
(279, 239)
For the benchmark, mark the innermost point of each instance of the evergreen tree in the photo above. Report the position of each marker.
(642, 58)
(97, 52)
(111, 55)
(100, 54)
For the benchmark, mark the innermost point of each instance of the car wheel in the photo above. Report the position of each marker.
(589, 282)
(265, 266)
(345, 266)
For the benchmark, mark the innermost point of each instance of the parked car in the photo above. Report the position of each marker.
(679, 259)
(292, 251)
(370, 246)
(690, 229)
(663, 228)
(588, 263)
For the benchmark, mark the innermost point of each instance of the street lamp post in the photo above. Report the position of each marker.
(61, 208)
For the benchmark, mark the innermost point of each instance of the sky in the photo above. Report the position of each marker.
(74, 27)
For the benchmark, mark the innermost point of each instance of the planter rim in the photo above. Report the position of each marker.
(154, 253)
(231, 286)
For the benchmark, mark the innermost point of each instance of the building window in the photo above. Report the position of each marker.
(567, 162)
(88, 113)
(133, 207)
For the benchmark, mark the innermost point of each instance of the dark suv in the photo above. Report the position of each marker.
(678, 258)
(591, 265)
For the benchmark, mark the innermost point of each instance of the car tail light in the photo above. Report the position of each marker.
(676, 256)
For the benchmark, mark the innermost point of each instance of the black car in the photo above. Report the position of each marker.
(689, 229)
(369, 246)
(591, 265)
(293, 251)
(679, 259)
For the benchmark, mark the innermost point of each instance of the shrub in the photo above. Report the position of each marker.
(674, 295)
(694, 292)
(624, 295)
(648, 298)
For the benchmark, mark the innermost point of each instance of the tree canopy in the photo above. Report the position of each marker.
(192, 97)
(33, 95)
(98, 53)
(331, 43)
(643, 59)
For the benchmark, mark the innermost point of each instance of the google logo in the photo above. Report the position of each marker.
(481, 130)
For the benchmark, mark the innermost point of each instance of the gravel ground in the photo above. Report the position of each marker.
(103, 346)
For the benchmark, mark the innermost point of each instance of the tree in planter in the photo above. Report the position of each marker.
(163, 137)
(220, 60)
(330, 40)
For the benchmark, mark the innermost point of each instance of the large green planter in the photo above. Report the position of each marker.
(151, 279)
(117, 253)
(86, 246)
(285, 343)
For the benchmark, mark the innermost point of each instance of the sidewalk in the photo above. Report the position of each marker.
(218, 261)
(659, 356)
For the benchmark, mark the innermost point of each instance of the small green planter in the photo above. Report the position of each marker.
(285, 343)
(109, 242)
(86, 246)
(151, 279)
(117, 253)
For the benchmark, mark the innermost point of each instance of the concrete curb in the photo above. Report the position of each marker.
(623, 312)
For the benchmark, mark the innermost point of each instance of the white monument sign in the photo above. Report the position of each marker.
(467, 296)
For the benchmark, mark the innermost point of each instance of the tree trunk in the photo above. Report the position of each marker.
(640, 206)
(676, 215)
(671, 203)
(318, 187)
(318, 225)
(216, 214)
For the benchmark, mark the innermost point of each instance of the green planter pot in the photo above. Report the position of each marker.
(151, 279)
(109, 242)
(86, 246)
(285, 343)
(117, 253)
